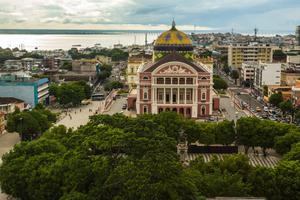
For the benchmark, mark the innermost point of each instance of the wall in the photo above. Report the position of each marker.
(271, 74)
(23, 92)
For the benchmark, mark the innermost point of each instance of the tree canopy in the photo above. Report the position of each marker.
(117, 157)
(275, 99)
(71, 93)
(219, 83)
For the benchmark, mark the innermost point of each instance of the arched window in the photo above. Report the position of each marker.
(145, 94)
(203, 96)
(145, 78)
(203, 78)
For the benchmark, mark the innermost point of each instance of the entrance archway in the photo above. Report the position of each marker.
(160, 110)
(188, 112)
(203, 110)
(181, 111)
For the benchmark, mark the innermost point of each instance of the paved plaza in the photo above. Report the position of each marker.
(7, 142)
(79, 116)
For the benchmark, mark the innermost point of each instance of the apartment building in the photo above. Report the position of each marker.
(238, 54)
(267, 74)
(247, 72)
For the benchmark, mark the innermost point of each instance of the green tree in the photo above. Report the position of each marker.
(235, 75)
(219, 83)
(275, 99)
(53, 89)
(67, 65)
(262, 181)
(294, 154)
(87, 88)
(70, 94)
(286, 107)
(25, 124)
(287, 176)
(113, 85)
(283, 143)
(225, 132)
(246, 132)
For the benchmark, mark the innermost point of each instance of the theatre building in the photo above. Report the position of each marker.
(175, 80)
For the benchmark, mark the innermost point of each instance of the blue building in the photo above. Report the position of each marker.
(31, 91)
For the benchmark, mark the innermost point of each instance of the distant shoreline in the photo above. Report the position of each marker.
(118, 32)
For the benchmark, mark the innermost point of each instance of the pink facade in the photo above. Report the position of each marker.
(175, 84)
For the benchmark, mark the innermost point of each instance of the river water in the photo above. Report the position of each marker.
(66, 41)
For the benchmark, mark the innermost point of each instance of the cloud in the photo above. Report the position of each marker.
(208, 14)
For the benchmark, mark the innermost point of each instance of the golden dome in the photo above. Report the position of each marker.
(173, 37)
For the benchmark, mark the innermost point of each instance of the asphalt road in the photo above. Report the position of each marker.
(117, 106)
(229, 110)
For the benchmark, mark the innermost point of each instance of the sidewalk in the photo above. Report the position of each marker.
(80, 115)
(7, 142)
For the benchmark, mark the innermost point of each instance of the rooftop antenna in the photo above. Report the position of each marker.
(255, 34)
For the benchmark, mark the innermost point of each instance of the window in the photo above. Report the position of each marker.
(182, 81)
(145, 95)
(160, 80)
(175, 80)
(132, 69)
(145, 78)
(160, 96)
(168, 80)
(189, 81)
(203, 96)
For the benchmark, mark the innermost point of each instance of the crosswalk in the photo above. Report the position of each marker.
(255, 160)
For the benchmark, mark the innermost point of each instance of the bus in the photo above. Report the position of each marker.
(98, 97)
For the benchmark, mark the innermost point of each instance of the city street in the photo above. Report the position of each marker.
(116, 106)
(229, 110)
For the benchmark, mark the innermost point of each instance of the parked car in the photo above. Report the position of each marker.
(258, 109)
(124, 106)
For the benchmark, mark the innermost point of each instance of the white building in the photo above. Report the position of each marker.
(248, 72)
(267, 74)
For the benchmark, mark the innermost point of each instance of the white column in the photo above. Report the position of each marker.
(184, 96)
(178, 99)
(171, 96)
(164, 95)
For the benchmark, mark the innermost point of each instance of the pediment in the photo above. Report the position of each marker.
(175, 69)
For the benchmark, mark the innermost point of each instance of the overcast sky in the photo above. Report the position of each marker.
(276, 15)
